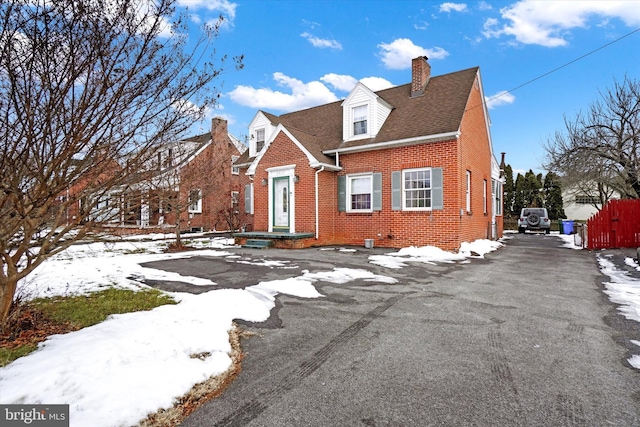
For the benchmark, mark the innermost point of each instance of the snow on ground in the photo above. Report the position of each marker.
(623, 290)
(95, 266)
(118, 371)
(433, 255)
(571, 241)
(631, 263)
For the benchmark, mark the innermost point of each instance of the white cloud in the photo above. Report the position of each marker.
(398, 54)
(339, 81)
(302, 95)
(345, 82)
(321, 43)
(548, 23)
(311, 24)
(224, 6)
(376, 83)
(456, 7)
(483, 5)
(500, 98)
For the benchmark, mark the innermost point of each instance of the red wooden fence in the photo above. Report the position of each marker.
(617, 225)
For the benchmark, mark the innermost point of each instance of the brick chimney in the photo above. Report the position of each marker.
(420, 73)
(219, 129)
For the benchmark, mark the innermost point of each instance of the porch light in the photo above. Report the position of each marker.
(296, 178)
(264, 181)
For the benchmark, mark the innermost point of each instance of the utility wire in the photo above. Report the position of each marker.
(556, 69)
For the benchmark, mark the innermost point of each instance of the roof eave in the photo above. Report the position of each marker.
(397, 143)
(326, 166)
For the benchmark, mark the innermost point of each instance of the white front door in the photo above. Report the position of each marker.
(281, 203)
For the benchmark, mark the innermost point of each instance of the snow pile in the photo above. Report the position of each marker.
(119, 371)
(569, 241)
(625, 291)
(433, 255)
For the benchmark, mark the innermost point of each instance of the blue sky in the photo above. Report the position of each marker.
(300, 54)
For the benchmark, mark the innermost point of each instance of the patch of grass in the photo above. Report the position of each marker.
(135, 251)
(36, 319)
(8, 355)
(88, 310)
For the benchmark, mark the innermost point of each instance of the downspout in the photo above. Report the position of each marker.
(317, 216)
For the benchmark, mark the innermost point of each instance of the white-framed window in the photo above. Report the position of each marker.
(195, 201)
(484, 196)
(248, 198)
(360, 115)
(235, 198)
(169, 160)
(498, 193)
(416, 189)
(586, 200)
(259, 140)
(359, 193)
(468, 193)
(235, 170)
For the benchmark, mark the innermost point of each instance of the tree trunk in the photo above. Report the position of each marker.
(7, 292)
(178, 238)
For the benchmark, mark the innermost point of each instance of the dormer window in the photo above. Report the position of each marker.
(259, 140)
(360, 120)
(363, 114)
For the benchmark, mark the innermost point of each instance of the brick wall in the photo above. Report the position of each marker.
(475, 156)
(445, 228)
(398, 229)
(210, 172)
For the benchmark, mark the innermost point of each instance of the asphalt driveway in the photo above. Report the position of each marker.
(524, 337)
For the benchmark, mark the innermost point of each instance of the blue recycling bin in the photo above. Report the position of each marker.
(567, 226)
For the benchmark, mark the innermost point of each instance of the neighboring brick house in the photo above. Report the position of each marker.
(195, 180)
(407, 166)
(192, 180)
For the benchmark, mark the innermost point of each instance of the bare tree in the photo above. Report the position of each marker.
(89, 90)
(599, 154)
(193, 182)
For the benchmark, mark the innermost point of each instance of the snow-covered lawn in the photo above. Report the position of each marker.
(117, 372)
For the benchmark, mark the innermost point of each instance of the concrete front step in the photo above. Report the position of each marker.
(258, 244)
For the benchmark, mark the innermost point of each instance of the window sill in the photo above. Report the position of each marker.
(359, 212)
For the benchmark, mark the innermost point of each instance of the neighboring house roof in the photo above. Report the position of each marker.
(238, 144)
(440, 110)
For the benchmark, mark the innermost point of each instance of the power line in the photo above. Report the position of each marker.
(556, 69)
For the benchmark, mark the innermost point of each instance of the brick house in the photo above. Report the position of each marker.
(189, 184)
(412, 165)
(196, 182)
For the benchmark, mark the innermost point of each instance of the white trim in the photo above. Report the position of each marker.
(352, 122)
(280, 168)
(325, 166)
(468, 192)
(198, 208)
(274, 134)
(484, 196)
(280, 172)
(317, 203)
(396, 143)
(348, 192)
(404, 189)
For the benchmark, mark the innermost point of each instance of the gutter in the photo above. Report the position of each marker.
(317, 215)
(398, 143)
